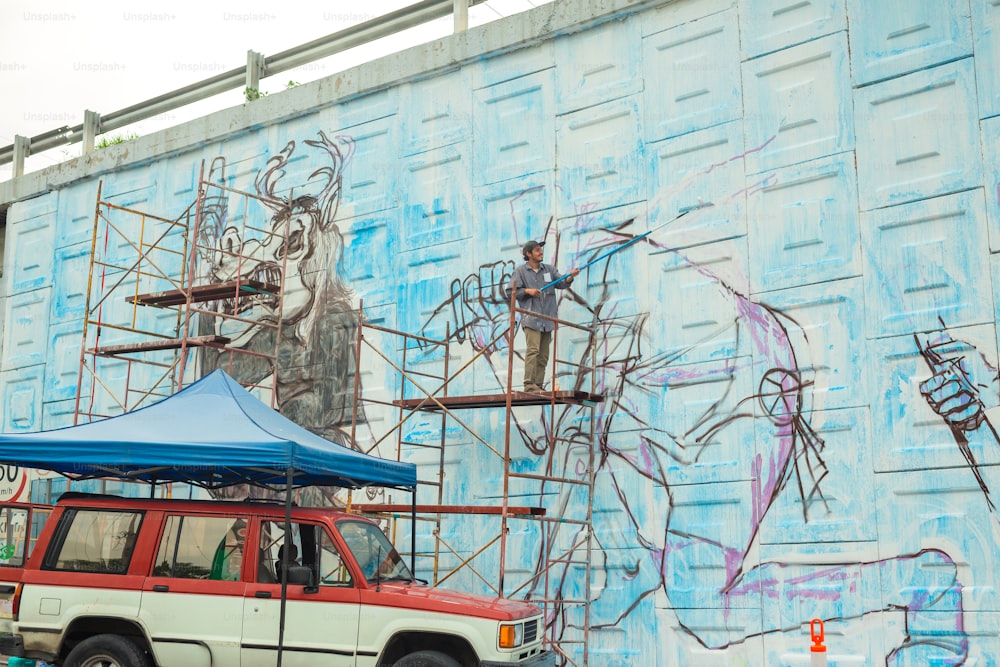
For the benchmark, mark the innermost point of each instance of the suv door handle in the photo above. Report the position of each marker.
(161, 588)
(262, 594)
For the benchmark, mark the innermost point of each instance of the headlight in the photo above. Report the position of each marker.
(511, 636)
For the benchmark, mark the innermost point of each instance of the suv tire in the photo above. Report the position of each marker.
(107, 651)
(426, 659)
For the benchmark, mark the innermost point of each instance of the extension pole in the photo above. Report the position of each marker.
(625, 245)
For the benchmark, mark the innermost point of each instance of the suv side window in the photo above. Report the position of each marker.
(99, 541)
(201, 547)
(13, 533)
(311, 546)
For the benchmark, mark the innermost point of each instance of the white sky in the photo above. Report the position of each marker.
(60, 57)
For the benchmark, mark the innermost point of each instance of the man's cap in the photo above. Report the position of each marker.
(531, 245)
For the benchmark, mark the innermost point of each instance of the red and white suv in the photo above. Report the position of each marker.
(137, 583)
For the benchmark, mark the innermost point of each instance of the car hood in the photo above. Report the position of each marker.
(455, 602)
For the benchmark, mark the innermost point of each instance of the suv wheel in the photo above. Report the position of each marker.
(427, 659)
(107, 651)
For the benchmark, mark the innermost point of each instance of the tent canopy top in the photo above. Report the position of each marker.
(213, 434)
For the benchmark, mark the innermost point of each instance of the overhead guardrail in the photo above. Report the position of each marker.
(248, 77)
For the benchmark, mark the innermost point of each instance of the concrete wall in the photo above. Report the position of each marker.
(800, 373)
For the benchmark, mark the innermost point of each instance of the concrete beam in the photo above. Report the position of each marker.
(501, 36)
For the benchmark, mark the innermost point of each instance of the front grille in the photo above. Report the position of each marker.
(530, 631)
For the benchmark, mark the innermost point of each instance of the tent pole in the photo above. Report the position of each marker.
(413, 532)
(284, 562)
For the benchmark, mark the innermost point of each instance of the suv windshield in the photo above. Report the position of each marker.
(373, 551)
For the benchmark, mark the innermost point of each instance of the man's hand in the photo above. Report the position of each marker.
(532, 291)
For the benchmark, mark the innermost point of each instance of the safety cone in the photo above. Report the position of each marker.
(818, 648)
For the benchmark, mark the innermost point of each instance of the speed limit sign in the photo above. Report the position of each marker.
(13, 483)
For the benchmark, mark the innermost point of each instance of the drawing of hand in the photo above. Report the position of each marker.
(963, 384)
(477, 307)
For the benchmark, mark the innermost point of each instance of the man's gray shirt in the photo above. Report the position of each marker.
(545, 303)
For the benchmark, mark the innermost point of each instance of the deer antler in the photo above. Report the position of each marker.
(267, 179)
(329, 196)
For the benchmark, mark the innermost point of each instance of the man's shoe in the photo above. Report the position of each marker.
(532, 389)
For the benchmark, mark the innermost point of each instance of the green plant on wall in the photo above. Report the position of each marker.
(251, 94)
(104, 142)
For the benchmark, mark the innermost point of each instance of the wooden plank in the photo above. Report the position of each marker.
(518, 398)
(159, 344)
(202, 293)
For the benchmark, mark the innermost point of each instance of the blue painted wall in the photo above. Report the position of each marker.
(800, 373)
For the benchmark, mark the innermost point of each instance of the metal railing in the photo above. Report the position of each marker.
(258, 66)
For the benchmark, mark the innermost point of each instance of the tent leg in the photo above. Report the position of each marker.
(413, 532)
(284, 563)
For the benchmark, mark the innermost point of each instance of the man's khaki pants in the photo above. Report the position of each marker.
(536, 358)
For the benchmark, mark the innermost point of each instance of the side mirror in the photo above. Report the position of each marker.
(299, 575)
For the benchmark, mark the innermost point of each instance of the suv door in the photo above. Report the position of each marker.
(20, 525)
(192, 601)
(321, 616)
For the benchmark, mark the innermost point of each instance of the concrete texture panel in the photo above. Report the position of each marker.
(986, 42)
(21, 393)
(692, 76)
(424, 281)
(598, 65)
(599, 158)
(59, 414)
(372, 183)
(803, 225)
(825, 325)
(703, 449)
(63, 361)
(928, 511)
(361, 267)
(701, 290)
(26, 321)
(917, 136)
(700, 175)
(797, 104)
(29, 256)
(436, 113)
(771, 25)
(69, 290)
(438, 197)
(990, 137)
(689, 568)
(841, 506)
(513, 65)
(924, 265)
(899, 36)
(512, 212)
(517, 117)
(76, 214)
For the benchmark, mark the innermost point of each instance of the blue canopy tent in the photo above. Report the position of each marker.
(213, 434)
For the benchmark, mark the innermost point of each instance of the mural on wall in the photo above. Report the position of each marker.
(649, 436)
(755, 399)
(964, 390)
(315, 320)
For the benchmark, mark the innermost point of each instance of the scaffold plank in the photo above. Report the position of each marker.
(517, 398)
(201, 293)
(160, 344)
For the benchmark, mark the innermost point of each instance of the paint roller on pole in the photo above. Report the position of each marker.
(628, 243)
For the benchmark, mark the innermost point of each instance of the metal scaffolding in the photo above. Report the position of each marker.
(163, 293)
(154, 297)
(541, 541)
